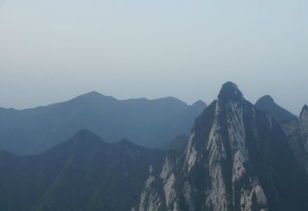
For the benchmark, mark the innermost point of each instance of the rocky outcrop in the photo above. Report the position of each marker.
(237, 158)
(150, 198)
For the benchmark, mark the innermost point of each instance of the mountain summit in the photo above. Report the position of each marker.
(236, 159)
(267, 104)
(266, 99)
(230, 92)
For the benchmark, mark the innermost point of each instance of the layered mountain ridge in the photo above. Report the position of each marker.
(84, 173)
(237, 158)
(150, 123)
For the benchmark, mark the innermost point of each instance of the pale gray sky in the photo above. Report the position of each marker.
(54, 50)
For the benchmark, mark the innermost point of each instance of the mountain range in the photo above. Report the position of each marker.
(150, 123)
(238, 156)
(84, 173)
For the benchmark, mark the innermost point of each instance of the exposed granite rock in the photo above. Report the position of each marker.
(236, 159)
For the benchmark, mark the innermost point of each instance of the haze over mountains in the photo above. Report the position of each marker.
(238, 157)
(84, 173)
(151, 123)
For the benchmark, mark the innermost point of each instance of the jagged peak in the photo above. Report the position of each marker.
(229, 92)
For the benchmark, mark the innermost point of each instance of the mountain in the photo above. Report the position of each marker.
(295, 128)
(84, 173)
(237, 158)
(150, 123)
(178, 143)
(297, 131)
(267, 104)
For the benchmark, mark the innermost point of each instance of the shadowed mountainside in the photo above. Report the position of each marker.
(267, 104)
(83, 173)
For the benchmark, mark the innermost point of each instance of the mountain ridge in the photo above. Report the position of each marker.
(234, 160)
(280, 114)
(83, 173)
(150, 123)
(98, 95)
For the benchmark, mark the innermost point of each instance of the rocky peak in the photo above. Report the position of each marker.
(231, 162)
(229, 92)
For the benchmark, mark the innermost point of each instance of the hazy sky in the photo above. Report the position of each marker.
(53, 50)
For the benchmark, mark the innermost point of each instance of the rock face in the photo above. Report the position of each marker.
(237, 158)
(297, 132)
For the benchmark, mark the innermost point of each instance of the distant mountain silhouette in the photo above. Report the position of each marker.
(150, 123)
(267, 104)
(81, 174)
